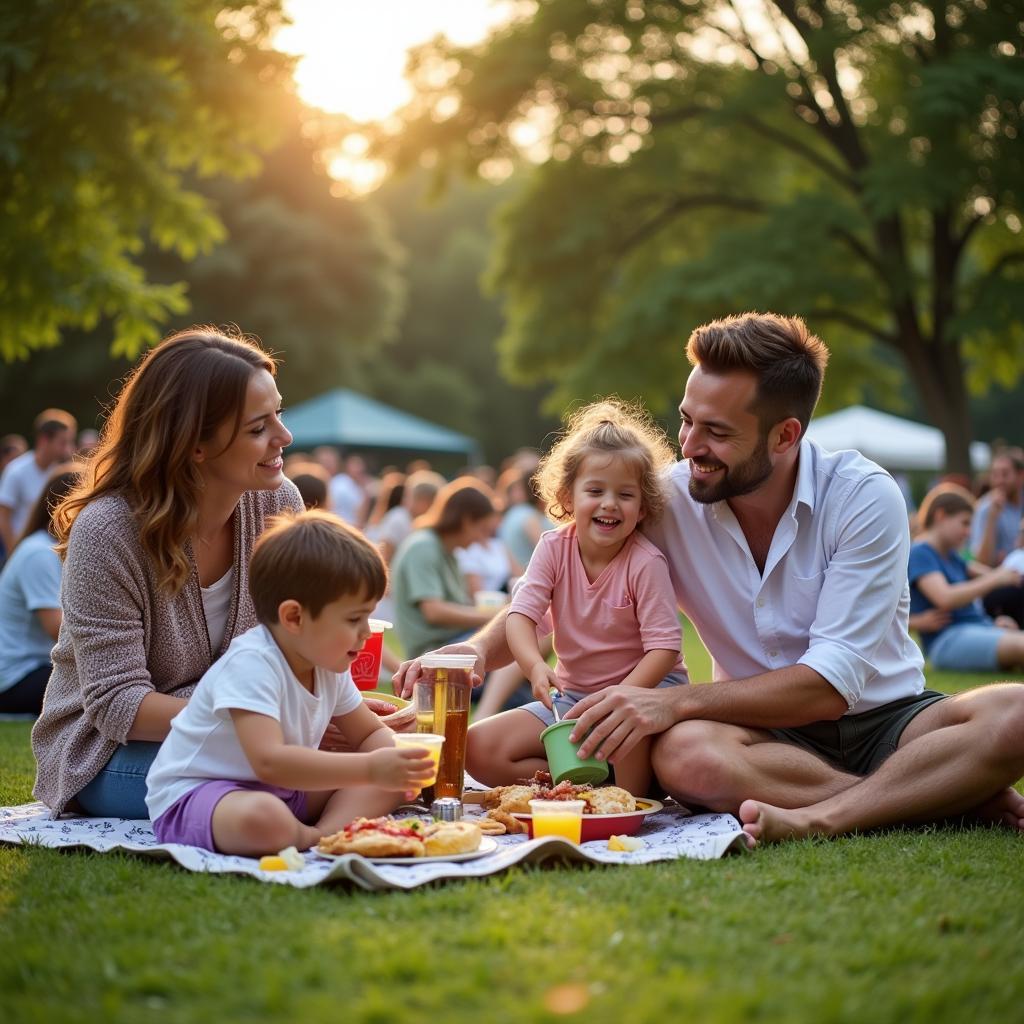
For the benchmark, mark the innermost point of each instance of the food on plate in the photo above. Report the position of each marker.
(625, 844)
(403, 837)
(448, 837)
(492, 827)
(377, 837)
(505, 801)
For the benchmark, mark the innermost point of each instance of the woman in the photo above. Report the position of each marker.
(30, 603)
(432, 604)
(941, 579)
(156, 542)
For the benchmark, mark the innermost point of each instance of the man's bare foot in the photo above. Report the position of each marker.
(767, 824)
(1005, 808)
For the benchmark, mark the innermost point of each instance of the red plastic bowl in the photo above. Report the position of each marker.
(602, 826)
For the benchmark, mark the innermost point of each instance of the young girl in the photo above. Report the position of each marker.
(605, 585)
(240, 772)
(940, 578)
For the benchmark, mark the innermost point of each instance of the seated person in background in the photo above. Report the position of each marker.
(488, 564)
(940, 578)
(240, 772)
(432, 602)
(30, 603)
(997, 516)
(311, 480)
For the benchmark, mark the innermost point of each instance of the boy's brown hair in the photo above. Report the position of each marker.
(787, 360)
(314, 558)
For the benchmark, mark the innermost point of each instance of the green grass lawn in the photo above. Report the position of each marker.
(906, 926)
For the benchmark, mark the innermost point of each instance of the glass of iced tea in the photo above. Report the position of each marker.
(441, 697)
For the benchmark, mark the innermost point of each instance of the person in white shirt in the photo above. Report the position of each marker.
(24, 477)
(240, 771)
(792, 564)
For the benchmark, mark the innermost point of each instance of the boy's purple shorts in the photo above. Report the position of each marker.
(189, 819)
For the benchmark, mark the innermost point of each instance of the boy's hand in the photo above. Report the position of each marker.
(542, 681)
(407, 769)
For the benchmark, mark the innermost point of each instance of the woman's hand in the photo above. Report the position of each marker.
(334, 740)
(403, 681)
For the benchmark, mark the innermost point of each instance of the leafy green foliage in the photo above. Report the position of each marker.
(856, 163)
(105, 106)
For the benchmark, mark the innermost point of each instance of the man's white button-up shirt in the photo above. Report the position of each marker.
(833, 595)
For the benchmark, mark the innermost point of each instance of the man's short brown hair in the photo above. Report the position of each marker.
(787, 360)
(51, 422)
(313, 558)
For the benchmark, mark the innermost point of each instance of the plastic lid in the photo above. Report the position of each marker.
(464, 661)
(379, 625)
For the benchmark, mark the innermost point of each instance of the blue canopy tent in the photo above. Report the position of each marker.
(351, 420)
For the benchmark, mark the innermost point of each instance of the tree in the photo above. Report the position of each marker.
(315, 276)
(857, 162)
(105, 107)
(442, 363)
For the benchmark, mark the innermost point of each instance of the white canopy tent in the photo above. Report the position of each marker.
(893, 443)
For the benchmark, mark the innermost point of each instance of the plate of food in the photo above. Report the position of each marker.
(390, 840)
(609, 810)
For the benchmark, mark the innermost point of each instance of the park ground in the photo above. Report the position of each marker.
(921, 925)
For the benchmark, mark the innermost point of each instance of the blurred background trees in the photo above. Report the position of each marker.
(858, 163)
(659, 163)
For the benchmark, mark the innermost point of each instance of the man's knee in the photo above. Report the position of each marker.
(1006, 718)
(694, 759)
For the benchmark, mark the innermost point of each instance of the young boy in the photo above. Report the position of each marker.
(240, 771)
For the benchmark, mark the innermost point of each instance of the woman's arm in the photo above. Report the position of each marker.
(49, 619)
(949, 596)
(445, 613)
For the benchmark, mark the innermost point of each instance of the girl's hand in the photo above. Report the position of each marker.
(542, 681)
(407, 769)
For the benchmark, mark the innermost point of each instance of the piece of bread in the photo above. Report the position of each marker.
(445, 838)
(609, 800)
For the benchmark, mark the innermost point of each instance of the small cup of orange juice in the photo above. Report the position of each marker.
(557, 818)
(429, 742)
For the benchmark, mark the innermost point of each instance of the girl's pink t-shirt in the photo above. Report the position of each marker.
(602, 629)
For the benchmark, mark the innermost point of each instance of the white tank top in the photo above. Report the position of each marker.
(216, 605)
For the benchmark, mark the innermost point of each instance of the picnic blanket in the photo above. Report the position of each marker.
(668, 835)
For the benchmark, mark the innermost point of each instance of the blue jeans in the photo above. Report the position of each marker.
(119, 791)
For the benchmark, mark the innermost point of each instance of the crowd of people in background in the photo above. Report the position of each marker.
(455, 549)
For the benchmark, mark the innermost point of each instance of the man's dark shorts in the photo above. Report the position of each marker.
(860, 743)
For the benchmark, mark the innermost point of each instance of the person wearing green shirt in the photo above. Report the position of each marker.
(432, 603)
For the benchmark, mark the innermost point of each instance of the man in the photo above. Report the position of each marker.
(792, 564)
(24, 478)
(997, 516)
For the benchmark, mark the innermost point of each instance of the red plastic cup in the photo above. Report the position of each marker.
(366, 668)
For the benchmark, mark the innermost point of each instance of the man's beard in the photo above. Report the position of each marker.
(734, 482)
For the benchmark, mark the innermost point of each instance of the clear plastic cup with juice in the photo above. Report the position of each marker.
(426, 741)
(562, 818)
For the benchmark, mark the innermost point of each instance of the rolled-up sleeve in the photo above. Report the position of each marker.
(862, 585)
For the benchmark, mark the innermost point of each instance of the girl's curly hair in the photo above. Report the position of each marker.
(610, 427)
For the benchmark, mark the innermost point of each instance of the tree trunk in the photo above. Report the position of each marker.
(936, 372)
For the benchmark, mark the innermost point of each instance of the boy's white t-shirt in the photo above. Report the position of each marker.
(253, 675)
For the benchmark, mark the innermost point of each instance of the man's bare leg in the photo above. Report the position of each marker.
(718, 766)
(955, 756)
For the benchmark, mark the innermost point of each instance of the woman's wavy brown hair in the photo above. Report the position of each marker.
(614, 428)
(173, 401)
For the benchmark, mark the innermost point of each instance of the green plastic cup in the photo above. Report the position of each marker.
(564, 763)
